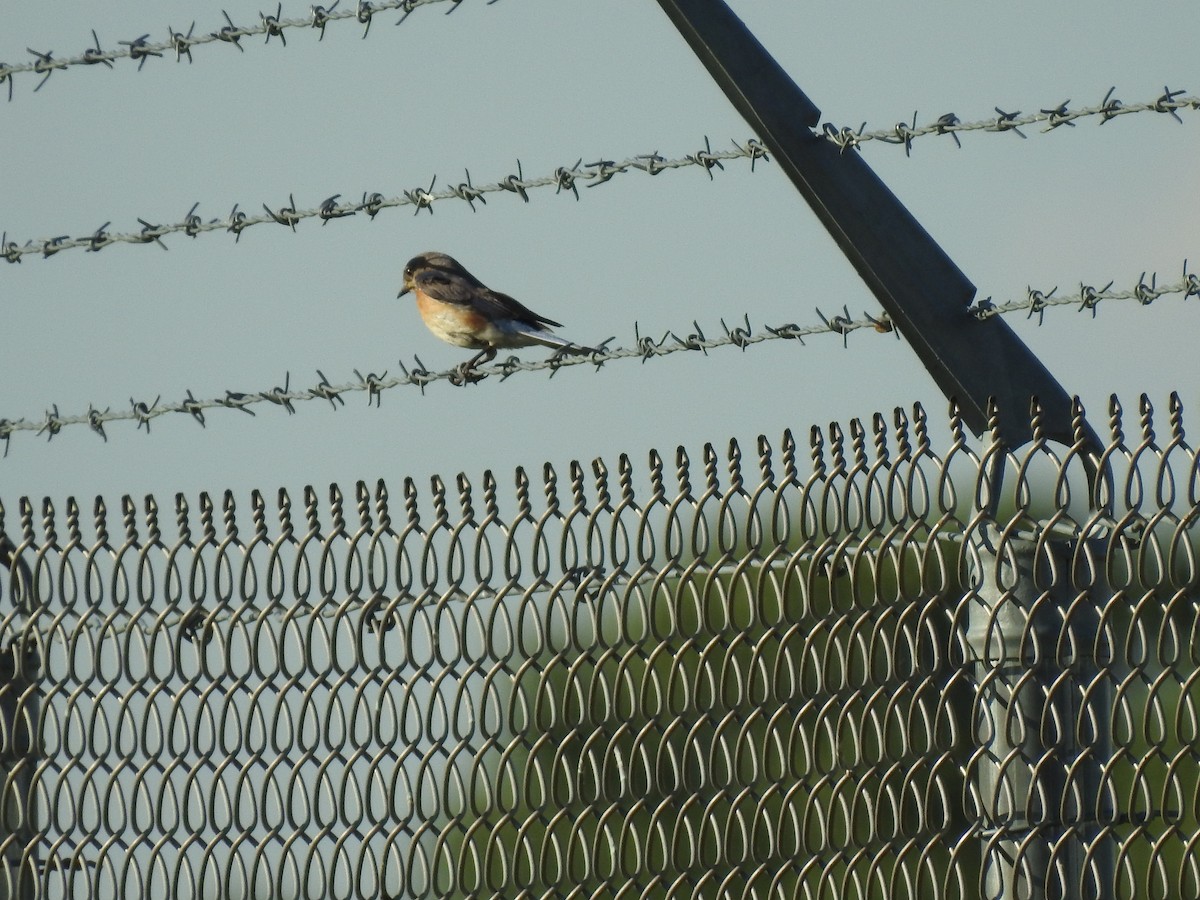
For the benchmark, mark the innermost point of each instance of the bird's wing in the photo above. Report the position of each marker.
(514, 309)
(446, 287)
(450, 288)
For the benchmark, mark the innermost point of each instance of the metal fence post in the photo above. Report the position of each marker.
(924, 293)
(1039, 792)
(1013, 636)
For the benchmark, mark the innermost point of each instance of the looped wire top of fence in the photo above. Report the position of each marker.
(779, 672)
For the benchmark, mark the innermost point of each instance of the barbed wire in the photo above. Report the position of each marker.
(1168, 103)
(644, 348)
(564, 178)
(742, 335)
(1036, 302)
(902, 133)
(181, 43)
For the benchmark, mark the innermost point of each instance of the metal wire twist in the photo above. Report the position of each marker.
(744, 675)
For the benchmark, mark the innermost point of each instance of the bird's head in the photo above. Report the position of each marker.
(427, 262)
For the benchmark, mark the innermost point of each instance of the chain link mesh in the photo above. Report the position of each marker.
(889, 672)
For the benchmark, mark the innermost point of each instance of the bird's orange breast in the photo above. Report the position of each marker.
(453, 322)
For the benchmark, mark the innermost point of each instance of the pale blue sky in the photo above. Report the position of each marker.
(548, 82)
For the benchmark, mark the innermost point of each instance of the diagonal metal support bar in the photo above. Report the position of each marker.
(923, 291)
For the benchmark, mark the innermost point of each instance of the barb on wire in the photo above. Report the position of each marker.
(902, 134)
(591, 174)
(180, 44)
(645, 347)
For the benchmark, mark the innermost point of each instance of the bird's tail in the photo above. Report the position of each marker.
(550, 339)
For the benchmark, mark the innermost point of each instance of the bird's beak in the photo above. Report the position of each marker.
(404, 290)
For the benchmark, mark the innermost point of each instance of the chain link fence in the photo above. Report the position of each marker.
(865, 668)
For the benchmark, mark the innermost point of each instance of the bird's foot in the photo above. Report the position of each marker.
(466, 373)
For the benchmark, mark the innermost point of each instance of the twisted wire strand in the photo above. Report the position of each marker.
(563, 178)
(742, 335)
(181, 43)
(1170, 102)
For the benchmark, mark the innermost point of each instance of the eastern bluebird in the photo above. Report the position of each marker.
(463, 311)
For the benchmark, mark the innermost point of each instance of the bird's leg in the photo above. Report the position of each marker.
(466, 372)
(487, 354)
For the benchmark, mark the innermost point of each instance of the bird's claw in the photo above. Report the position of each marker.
(466, 373)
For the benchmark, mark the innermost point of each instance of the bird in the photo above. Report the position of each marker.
(461, 310)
